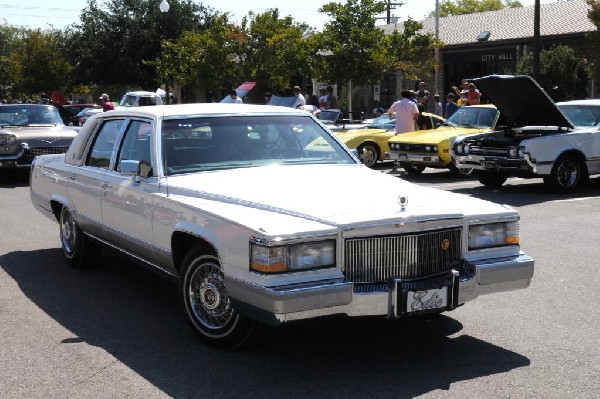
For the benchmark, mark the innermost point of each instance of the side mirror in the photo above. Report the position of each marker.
(130, 167)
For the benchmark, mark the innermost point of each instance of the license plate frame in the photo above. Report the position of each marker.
(489, 165)
(405, 293)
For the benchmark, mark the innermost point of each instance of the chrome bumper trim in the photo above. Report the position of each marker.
(325, 298)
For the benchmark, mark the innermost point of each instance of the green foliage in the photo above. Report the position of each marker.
(409, 51)
(594, 37)
(460, 7)
(355, 47)
(117, 44)
(563, 74)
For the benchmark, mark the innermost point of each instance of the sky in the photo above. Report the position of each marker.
(44, 14)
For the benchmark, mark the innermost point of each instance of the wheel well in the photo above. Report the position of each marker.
(181, 243)
(56, 209)
(579, 156)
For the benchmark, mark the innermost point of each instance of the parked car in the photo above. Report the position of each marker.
(422, 149)
(257, 226)
(140, 99)
(28, 130)
(75, 109)
(371, 141)
(541, 141)
(85, 113)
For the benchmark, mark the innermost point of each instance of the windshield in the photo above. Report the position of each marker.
(383, 122)
(474, 117)
(199, 144)
(582, 115)
(29, 115)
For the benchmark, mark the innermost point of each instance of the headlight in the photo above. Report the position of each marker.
(8, 139)
(466, 149)
(512, 152)
(493, 235)
(521, 152)
(395, 146)
(458, 149)
(294, 257)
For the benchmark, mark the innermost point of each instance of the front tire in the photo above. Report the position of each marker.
(414, 170)
(567, 173)
(368, 154)
(494, 180)
(78, 250)
(207, 306)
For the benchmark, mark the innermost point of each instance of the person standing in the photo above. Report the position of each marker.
(234, 97)
(407, 113)
(300, 100)
(107, 105)
(333, 103)
(323, 101)
(451, 106)
(473, 95)
(437, 105)
(423, 96)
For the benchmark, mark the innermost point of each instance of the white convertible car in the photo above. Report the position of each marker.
(256, 212)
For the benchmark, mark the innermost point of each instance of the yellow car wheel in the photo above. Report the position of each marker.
(368, 153)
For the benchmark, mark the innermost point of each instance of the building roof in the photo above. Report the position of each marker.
(561, 18)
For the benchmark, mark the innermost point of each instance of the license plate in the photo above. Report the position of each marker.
(421, 300)
(489, 165)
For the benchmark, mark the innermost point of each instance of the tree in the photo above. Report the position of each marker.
(38, 63)
(410, 51)
(563, 74)
(460, 7)
(278, 52)
(594, 16)
(208, 59)
(116, 44)
(355, 47)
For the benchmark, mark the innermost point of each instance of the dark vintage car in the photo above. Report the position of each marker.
(558, 142)
(75, 109)
(28, 130)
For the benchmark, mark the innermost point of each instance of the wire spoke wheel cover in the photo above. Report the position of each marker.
(208, 299)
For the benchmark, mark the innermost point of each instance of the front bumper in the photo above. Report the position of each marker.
(425, 159)
(325, 298)
(495, 163)
(24, 156)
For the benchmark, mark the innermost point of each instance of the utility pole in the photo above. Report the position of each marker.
(391, 6)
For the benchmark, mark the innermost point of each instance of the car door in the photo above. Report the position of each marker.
(127, 205)
(87, 182)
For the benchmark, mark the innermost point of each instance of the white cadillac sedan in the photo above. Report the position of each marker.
(256, 212)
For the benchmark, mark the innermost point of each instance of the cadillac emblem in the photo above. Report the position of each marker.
(403, 200)
(446, 244)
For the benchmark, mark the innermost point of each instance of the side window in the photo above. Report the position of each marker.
(136, 146)
(103, 145)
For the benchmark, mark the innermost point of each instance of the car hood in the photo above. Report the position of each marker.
(352, 134)
(328, 195)
(434, 136)
(43, 133)
(522, 100)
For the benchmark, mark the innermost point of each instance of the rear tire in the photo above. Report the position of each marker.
(79, 251)
(494, 180)
(207, 306)
(567, 173)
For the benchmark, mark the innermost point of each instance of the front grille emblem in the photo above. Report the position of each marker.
(445, 244)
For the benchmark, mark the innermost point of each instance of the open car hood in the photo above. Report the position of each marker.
(522, 100)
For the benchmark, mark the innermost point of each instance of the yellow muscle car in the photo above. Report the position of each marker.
(372, 141)
(431, 148)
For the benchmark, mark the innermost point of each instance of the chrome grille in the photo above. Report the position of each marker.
(28, 156)
(378, 259)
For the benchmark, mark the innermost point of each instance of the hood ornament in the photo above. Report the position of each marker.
(403, 201)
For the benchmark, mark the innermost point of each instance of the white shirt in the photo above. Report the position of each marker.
(300, 101)
(405, 111)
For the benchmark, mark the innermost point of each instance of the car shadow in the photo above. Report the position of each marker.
(515, 192)
(14, 178)
(134, 315)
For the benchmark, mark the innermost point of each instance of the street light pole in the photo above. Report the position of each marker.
(164, 9)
